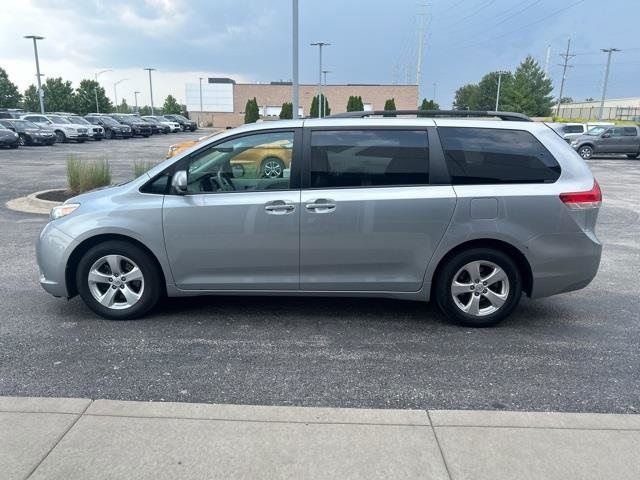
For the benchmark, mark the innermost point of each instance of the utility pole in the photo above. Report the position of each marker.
(151, 88)
(115, 92)
(200, 78)
(35, 51)
(295, 86)
(567, 56)
(135, 96)
(608, 51)
(500, 73)
(320, 102)
(422, 20)
(546, 61)
(95, 90)
(435, 90)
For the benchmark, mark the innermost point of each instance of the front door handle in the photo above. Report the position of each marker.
(279, 207)
(321, 205)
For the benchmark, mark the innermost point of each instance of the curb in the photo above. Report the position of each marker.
(32, 204)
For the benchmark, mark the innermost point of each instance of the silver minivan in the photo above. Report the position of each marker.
(471, 212)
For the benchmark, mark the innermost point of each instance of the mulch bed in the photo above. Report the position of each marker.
(56, 195)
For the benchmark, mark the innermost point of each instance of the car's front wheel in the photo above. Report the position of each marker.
(22, 140)
(118, 280)
(479, 287)
(633, 155)
(108, 134)
(60, 137)
(585, 152)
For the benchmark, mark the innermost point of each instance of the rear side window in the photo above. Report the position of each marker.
(361, 158)
(630, 132)
(477, 156)
(572, 129)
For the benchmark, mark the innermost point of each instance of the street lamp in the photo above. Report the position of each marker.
(35, 51)
(95, 90)
(151, 88)
(320, 102)
(135, 96)
(115, 92)
(294, 51)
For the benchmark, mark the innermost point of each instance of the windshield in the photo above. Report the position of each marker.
(57, 119)
(150, 120)
(596, 130)
(78, 120)
(109, 121)
(184, 119)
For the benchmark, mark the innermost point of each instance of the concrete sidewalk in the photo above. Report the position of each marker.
(49, 438)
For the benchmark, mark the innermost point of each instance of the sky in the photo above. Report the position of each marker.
(372, 41)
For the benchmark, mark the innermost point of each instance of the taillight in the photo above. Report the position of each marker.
(583, 200)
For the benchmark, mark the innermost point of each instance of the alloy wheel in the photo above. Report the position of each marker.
(480, 288)
(586, 152)
(272, 168)
(116, 282)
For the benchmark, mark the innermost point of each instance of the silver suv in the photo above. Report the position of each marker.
(469, 212)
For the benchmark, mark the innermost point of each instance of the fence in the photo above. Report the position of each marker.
(593, 113)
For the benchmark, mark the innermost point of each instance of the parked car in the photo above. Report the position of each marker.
(138, 126)
(29, 133)
(9, 138)
(184, 122)
(571, 131)
(63, 129)
(468, 212)
(602, 139)
(179, 147)
(11, 113)
(156, 126)
(95, 131)
(174, 126)
(112, 128)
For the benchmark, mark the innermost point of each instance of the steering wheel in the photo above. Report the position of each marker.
(224, 181)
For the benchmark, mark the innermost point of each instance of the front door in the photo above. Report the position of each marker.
(370, 220)
(237, 228)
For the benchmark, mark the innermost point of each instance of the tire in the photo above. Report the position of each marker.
(80, 141)
(22, 141)
(142, 295)
(504, 294)
(272, 167)
(14, 146)
(586, 152)
(98, 139)
(108, 134)
(633, 155)
(60, 137)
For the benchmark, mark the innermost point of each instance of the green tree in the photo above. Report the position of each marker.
(488, 91)
(59, 95)
(313, 111)
(124, 107)
(566, 100)
(354, 104)
(86, 98)
(466, 97)
(9, 94)
(390, 105)
(146, 110)
(530, 92)
(251, 111)
(30, 100)
(429, 105)
(286, 112)
(171, 106)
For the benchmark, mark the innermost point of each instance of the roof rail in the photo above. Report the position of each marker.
(510, 116)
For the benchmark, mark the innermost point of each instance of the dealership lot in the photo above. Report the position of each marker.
(574, 352)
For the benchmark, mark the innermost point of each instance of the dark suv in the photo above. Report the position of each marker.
(112, 128)
(138, 126)
(184, 122)
(29, 133)
(602, 139)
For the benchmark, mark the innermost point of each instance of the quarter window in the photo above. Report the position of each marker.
(495, 156)
(630, 132)
(360, 158)
(254, 162)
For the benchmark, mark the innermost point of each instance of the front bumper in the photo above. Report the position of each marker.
(8, 142)
(52, 251)
(41, 140)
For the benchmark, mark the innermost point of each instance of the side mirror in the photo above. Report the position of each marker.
(606, 135)
(179, 182)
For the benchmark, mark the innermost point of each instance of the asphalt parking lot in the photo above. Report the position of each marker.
(573, 352)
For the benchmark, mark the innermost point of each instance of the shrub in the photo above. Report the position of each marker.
(140, 167)
(83, 176)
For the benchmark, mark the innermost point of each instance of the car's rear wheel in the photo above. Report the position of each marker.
(585, 152)
(633, 155)
(108, 134)
(272, 167)
(60, 136)
(118, 280)
(479, 287)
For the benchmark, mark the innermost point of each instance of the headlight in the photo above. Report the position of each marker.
(63, 210)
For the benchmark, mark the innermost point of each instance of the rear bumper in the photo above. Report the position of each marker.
(563, 262)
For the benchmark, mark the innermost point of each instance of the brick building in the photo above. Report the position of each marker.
(223, 100)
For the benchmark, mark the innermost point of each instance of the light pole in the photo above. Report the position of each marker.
(200, 78)
(35, 51)
(115, 91)
(435, 89)
(608, 51)
(95, 90)
(295, 87)
(320, 102)
(500, 73)
(135, 97)
(151, 88)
